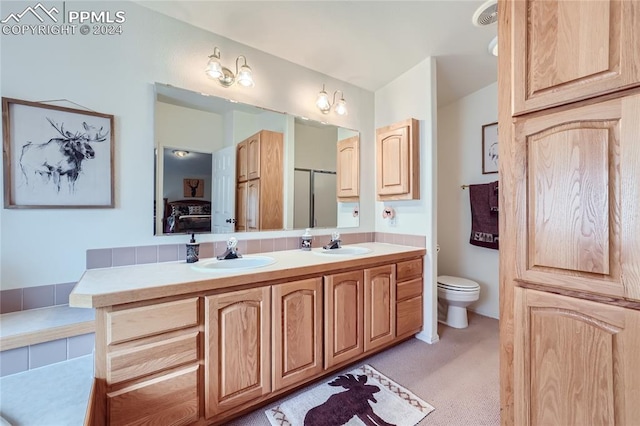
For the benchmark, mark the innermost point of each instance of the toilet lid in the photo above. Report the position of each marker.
(446, 281)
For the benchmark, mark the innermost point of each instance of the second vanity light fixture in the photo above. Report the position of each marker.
(325, 105)
(243, 75)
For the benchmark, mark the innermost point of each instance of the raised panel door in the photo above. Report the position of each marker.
(237, 348)
(297, 331)
(570, 50)
(253, 157)
(577, 192)
(241, 161)
(379, 306)
(343, 304)
(397, 152)
(348, 169)
(575, 361)
(253, 205)
(241, 207)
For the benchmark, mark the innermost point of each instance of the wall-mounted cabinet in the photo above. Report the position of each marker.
(260, 182)
(348, 169)
(398, 161)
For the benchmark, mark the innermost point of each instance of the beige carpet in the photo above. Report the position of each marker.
(458, 375)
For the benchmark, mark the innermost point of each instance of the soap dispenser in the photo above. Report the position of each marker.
(306, 239)
(193, 249)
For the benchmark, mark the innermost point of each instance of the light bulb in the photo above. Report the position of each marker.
(323, 103)
(340, 107)
(245, 77)
(213, 69)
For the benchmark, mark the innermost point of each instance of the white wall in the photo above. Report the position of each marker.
(460, 163)
(413, 95)
(115, 75)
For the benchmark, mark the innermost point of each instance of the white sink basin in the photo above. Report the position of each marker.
(344, 251)
(233, 265)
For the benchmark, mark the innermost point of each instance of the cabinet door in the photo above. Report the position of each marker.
(379, 306)
(398, 175)
(253, 157)
(570, 50)
(579, 190)
(237, 348)
(253, 205)
(348, 169)
(241, 207)
(241, 161)
(343, 305)
(576, 361)
(297, 331)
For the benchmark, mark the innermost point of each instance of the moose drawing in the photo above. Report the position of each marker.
(341, 407)
(61, 156)
(193, 184)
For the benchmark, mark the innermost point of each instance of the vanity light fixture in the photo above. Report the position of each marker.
(493, 46)
(224, 76)
(180, 153)
(324, 105)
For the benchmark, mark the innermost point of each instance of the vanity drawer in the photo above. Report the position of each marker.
(129, 324)
(409, 269)
(409, 289)
(139, 361)
(166, 400)
(409, 316)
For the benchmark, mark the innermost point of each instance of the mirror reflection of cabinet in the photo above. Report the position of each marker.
(260, 181)
(348, 169)
(398, 166)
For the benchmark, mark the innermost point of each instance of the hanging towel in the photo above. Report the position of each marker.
(484, 222)
(493, 197)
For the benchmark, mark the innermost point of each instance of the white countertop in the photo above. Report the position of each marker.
(114, 286)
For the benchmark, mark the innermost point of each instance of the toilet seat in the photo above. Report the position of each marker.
(447, 282)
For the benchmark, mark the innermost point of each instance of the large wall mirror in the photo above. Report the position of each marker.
(224, 167)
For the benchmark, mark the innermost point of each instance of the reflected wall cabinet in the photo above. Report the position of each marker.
(348, 169)
(260, 182)
(398, 161)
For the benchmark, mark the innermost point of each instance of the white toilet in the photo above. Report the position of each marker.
(454, 295)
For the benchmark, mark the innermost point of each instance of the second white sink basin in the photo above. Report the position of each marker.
(233, 265)
(344, 251)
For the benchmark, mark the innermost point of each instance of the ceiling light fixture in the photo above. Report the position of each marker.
(324, 105)
(224, 76)
(180, 153)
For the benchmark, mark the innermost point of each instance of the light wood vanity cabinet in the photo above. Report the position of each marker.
(379, 306)
(348, 169)
(409, 298)
(565, 51)
(398, 161)
(260, 182)
(237, 356)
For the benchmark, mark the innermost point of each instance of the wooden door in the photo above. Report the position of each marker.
(397, 159)
(570, 50)
(577, 229)
(241, 207)
(237, 348)
(348, 169)
(297, 331)
(575, 361)
(253, 157)
(379, 306)
(343, 304)
(253, 205)
(241, 161)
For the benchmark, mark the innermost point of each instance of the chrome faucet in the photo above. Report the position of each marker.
(232, 251)
(334, 243)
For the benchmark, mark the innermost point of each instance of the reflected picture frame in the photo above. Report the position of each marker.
(56, 157)
(490, 148)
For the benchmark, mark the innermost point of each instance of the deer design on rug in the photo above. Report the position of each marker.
(341, 407)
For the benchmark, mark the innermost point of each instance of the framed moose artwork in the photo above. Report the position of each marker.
(193, 188)
(56, 157)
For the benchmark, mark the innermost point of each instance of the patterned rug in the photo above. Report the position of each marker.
(360, 397)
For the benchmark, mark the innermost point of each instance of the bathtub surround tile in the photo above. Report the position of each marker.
(62, 292)
(14, 361)
(206, 250)
(80, 345)
(47, 353)
(124, 256)
(10, 300)
(99, 258)
(146, 254)
(168, 253)
(38, 297)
